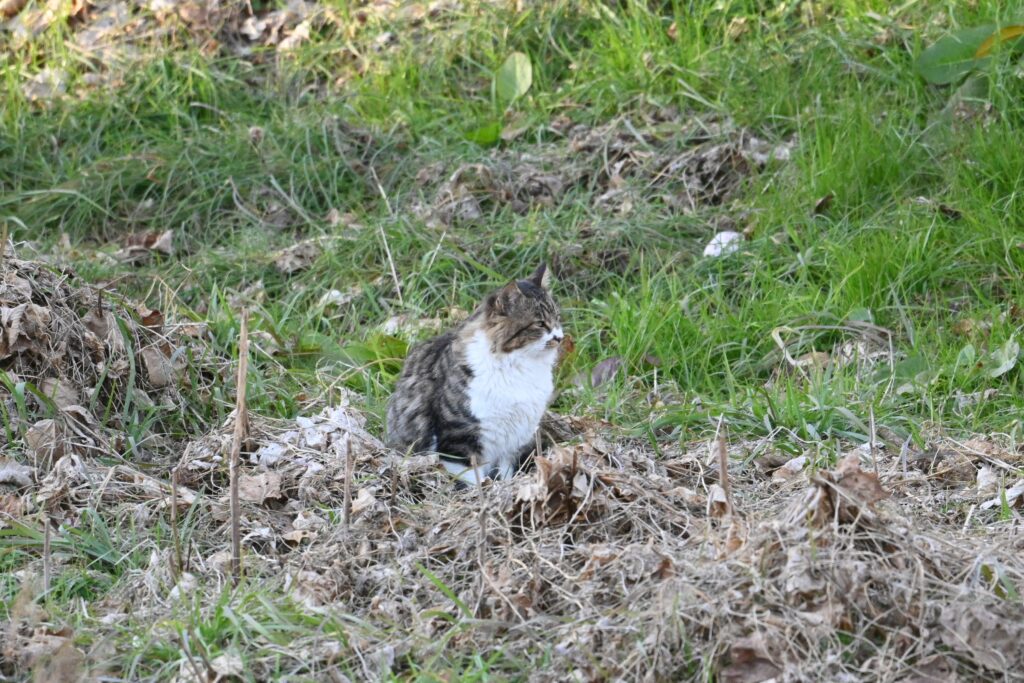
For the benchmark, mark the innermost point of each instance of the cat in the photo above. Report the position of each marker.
(476, 393)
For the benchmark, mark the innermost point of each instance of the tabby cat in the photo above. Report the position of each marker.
(476, 394)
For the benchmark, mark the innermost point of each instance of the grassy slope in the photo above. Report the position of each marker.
(173, 148)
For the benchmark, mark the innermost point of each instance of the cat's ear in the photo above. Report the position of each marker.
(542, 276)
(499, 301)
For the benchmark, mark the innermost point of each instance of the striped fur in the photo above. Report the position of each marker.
(477, 392)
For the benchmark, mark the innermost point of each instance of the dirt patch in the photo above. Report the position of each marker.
(605, 562)
(81, 366)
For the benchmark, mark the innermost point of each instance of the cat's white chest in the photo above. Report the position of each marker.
(508, 395)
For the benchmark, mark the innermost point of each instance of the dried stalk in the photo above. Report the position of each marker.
(236, 447)
(723, 466)
(178, 565)
(480, 546)
(871, 443)
(47, 558)
(346, 513)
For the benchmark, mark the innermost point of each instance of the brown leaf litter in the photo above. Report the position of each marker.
(110, 36)
(76, 356)
(615, 562)
(32, 641)
(684, 165)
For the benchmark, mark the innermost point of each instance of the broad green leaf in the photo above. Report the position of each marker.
(514, 77)
(1004, 34)
(1004, 359)
(485, 135)
(954, 55)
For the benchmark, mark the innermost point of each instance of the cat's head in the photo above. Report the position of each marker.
(522, 316)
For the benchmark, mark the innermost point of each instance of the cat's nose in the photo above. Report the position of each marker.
(557, 335)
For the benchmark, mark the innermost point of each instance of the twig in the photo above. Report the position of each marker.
(346, 512)
(3, 242)
(47, 564)
(178, 565)
(904, 449)
(723, 464)
(871, 437)
(483, 532)
(236, 447)
(393, 459)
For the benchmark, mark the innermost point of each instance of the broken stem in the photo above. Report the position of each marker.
(46, 553)
(871, 443)
(178, 565)
(723, 465)
(482, 518)
(236, 447)
(346, 513)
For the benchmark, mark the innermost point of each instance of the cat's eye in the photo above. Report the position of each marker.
(543, 325)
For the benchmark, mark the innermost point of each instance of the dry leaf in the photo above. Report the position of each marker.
(723, 244)
(406, 324)
(228, 664)
(718, 503)
(790, 469)
(99, 323)
(737, 28)
(11, 505)
(162, 371)
(964, 326)
(566, 348)
(750, 662)
(15, 290)
(935, 669)
(1014, 497)
(24, 328)
(818, 360)
(297, 257)
(299, 35)
(305, 521)
(862, 486)
(988, 480)
(46, 86)
(60, 391)
(150, 317)
(8, 8)
(64, 665)
(140, 246)
(15, 474)
(988, 638)
(364, 500)
(822, 205)
(257, 488)
(45, 441)
(603, 372)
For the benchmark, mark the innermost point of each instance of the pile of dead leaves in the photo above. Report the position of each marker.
(605, 560)
(626, 563)
(80, 364)
(685, 165)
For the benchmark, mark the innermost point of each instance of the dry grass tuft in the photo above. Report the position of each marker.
(80, 367)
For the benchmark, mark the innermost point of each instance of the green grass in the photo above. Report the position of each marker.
(173, 148)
